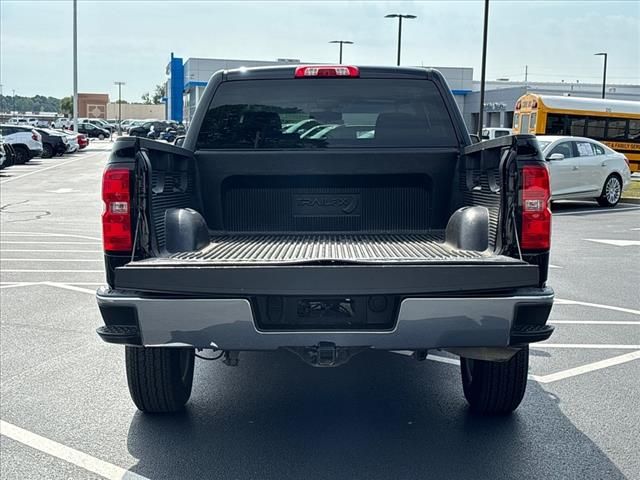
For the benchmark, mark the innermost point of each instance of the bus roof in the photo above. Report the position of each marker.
(590, 104)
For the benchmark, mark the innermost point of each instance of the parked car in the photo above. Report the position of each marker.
(495, 132)
(585, 168)
(134, 123)
(3, 157)
(72, 140)
(248, 238)
(98, 122)
(60, 123)
(10, 155)
(144, 129)
(26, 142)
(83, 141)
(53, 142)
(91, 131)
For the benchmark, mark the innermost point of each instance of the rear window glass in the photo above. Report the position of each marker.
(326, 113)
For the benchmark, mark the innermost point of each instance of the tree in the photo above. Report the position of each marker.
(66, 105)
(159, 93)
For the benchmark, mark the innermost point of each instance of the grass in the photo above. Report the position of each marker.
(633, 191)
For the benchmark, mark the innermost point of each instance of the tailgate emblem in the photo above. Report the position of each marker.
(326, 205)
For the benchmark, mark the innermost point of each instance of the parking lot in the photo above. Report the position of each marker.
(66, 411)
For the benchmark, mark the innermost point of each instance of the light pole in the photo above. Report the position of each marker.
(75, 66)
(341, 42)
(119, 105)
(604, 73)
(484, 67)
(399, 16)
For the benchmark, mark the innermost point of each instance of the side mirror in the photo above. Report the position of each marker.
(555, 156)
(474, 138)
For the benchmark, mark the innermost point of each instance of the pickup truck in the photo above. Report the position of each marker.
(397, 235)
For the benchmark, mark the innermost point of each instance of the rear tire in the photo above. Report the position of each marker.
(495, 388)
(47, 150)
(22, 155)
(101, 137)
(159, 378)
(611, 192)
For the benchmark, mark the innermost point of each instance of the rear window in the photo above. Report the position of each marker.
(326, 113)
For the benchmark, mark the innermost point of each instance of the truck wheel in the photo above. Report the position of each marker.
(159, 378)
(611, 192)
(495, 387)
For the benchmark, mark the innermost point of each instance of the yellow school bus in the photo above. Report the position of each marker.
(615, 123)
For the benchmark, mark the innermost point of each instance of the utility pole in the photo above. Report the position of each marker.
(341, 42)
(399, 16)
(75, 66)
(119, 84)
(604, 73)
(484, 67)
(14, 100)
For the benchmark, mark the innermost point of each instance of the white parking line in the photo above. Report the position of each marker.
(595, 322)
(616, 243)
(51, 260)
(594, 211)
(33, 234)
(590, 367)
(49, 168)
(55, 251)
(596, 346)
(7, 270)
(69, 287)
(562, 301)
(19, 242)
(68, 454)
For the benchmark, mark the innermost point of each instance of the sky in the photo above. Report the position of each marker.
(131, 41)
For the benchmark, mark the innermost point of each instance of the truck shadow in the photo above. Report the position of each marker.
(380, 416)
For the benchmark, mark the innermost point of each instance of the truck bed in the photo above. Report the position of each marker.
(272, 249)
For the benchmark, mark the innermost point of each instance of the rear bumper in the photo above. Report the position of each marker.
(230, 323)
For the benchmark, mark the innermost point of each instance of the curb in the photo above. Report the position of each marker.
(635, 201)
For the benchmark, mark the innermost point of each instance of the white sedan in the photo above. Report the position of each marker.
(585, 168)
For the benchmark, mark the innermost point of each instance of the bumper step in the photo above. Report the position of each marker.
(530, 333)
(121, 334)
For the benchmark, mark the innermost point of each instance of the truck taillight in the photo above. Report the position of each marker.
(536, 214)
(35, 136)
(116, 218)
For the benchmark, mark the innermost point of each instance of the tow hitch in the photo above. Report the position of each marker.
(326, 354)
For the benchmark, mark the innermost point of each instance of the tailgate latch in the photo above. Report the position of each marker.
(326, 354)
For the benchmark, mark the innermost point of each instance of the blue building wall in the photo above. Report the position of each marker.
(175, 88)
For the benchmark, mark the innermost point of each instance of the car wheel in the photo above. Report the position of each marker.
(159, 378)
(47, 150)
(22, 155)
(495, 387)
(611, 192)
(101, 137)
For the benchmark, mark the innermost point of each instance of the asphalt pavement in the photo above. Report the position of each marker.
(66, 412)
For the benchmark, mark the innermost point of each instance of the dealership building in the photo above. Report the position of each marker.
(187, 80)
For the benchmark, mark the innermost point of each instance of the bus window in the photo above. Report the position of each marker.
(516, 118)
(555, 125)
(524, 123)
(634, 129)
(576, 126)
(595, 127)
(616, 128)
(532, 123)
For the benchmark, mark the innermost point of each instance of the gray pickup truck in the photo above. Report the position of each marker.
(326, 210)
